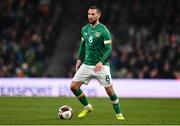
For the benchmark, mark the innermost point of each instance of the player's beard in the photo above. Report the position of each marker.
(92, 21)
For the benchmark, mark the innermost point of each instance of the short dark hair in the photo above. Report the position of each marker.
(95, 7)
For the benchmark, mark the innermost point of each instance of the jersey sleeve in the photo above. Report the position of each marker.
(81, 52)
(106, 36)
(107, 44)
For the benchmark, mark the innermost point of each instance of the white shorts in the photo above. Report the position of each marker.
(86, 72)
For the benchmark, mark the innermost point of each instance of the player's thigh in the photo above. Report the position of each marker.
(104, 76)
(84, 74)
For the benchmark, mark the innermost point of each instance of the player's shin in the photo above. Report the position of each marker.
(81, 96)
(115, 103)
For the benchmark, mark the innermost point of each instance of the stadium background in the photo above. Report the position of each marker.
(40, 39)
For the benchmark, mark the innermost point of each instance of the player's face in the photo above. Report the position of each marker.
(93, 16)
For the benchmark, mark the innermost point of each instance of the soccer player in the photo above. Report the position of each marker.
(94, 52)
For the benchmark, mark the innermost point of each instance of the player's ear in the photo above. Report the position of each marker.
(99, 15)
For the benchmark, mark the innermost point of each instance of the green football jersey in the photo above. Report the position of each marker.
(95, 44)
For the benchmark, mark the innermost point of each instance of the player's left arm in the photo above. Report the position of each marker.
(107, 45)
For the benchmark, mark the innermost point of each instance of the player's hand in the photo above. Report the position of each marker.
(78, 63)
(98, 67)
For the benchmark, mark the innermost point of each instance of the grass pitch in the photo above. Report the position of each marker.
(43, 110)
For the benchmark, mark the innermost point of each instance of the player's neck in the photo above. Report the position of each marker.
(95, 24)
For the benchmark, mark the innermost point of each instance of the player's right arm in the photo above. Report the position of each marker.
(81, 53)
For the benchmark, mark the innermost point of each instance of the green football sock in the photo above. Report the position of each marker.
(81, 96)
(115, 103)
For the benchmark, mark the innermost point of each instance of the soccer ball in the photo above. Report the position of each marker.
(65, 112)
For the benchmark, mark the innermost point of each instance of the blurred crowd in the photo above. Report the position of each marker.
(26, 27)
(145, 34)
(146, 38)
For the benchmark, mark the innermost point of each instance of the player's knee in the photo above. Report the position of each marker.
(74, 86)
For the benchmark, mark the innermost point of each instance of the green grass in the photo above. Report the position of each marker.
(43, 110)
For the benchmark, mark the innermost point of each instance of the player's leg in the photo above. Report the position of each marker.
(104, 78)
(115, 102)
(75, 88)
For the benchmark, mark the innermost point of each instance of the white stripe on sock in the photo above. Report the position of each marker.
(115, 101)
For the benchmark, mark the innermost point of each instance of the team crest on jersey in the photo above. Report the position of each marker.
(97, 34)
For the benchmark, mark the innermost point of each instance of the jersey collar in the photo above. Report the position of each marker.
(93, 27)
